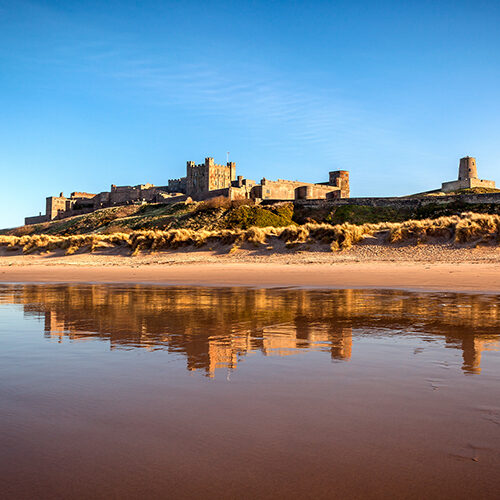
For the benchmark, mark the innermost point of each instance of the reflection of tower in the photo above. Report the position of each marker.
(472, 348)
(53, 327)
(341, 342)
(220, 355)
(279, 340)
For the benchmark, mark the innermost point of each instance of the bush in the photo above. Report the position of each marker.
(247, 216)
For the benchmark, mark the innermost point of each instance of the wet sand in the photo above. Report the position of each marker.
(470, 277)
(161, 392)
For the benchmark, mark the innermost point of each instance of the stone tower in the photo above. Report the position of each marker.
(340, 178)
(467, 168)
(467, 177)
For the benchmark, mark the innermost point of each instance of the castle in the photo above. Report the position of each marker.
(210, 180)
(203, 181)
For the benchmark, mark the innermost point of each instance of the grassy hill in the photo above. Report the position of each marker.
(220, 213)
(212, 214)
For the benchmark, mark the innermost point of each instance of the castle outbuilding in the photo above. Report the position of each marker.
(467, 177)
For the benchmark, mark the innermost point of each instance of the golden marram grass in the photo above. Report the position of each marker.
(460, 229)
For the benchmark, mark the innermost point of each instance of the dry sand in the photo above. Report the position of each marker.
(424, 267)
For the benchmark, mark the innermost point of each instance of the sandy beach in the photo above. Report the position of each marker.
(431, 268)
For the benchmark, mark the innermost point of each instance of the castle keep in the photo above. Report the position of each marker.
(203, 181)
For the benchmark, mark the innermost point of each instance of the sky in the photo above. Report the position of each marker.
(125, 92)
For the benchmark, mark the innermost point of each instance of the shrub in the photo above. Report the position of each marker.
(247, 216)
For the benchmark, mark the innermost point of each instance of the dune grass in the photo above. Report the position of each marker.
(466, 228)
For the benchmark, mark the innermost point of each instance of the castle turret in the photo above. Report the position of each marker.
(340, 178)
(232, 170)
(467, 168)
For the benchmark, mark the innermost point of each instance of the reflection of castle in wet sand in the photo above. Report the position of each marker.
(225, 351)
(215, 328)
(472, 349)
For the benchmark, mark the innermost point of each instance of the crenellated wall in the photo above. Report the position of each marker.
(177, 185)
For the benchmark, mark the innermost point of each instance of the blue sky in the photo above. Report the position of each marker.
(94, 93)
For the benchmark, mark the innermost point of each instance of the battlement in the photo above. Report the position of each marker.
(282, 181)
(177, 185)
(115, 188)
(77, 194)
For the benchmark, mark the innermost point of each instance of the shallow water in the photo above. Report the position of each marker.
(157, 392)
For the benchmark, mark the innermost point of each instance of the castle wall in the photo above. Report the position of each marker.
(290, 190)
(177, 185)
(121, 195)
(71, 212)
(276, 190)
(101, 200)
(78, 194)
(315, 191)
(448, 187)
(164, 197)
(37, 219)
(232, 193)
(396, 202)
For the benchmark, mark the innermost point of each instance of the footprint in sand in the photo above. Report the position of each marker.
(491, 415)
(470, 453)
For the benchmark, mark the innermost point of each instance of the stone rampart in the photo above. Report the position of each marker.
(414, 202)
(448, 187)
(315, 191)
(37, 219)
(280, 189)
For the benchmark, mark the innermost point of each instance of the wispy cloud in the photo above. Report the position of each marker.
(307, 115)
(283, 111)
